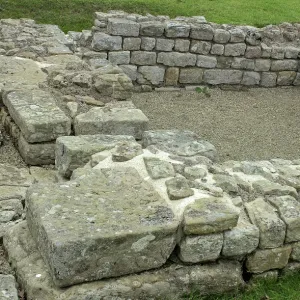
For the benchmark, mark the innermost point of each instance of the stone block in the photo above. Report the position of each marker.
(191, 75)
(164, 44)
(224, 62)
(172, 76)
(295, 255)
(116, 121)
(292, 52)
(284, 65)
(200, 47)
(143, 58)
(153, 74)
(200, 249)
(297, 79)
(253, 52)
(130, 71)
(119, 57)
(182, 45)
(72, 152)
(203, 32)
(277, 52)
(126, 225)
(132, 43)
(37, 115)
(265, 51)
(226, 183)
(264, 260)
(103, 42)
(286, 77)
(158, 168)
(243, 63)
(268, 79)
(289, 211)
(177, 59)
(208, 62)
(269, 276)
(123, 27)
(217, 49)
(8, 287)
(269, 188)
(235, 49)
(209, 215)
(221, 36)
(262, 65)
(177, 30)
(251, 78)
(272, 228)
(148, 43)
(178, 188)
(152, 28)
(222, 76)
(237, 35)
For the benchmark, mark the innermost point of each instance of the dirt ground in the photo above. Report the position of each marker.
(243, 125)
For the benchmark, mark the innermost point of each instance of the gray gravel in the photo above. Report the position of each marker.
(243, 125)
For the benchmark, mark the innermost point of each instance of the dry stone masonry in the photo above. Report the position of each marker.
(129, 213)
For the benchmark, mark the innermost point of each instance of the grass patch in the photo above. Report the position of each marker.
(287, 288)
(78, 14)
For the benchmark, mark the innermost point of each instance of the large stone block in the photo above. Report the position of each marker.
(203, 32)
(131, 44)
(143, 58)
(268, 79)
(105, 224)
(284, 65)
(269, 188)
(72, 152)
(235, 49)
(177, 29)
(221, 36)
(153, 74)
(208, 62)
(286, 77)
(123, 27)
(104, 42)
(37, 115)
(152, 28)
(222, 76)
(191, 75)
(115, 121)
(177, 59)
(210, 215)
(251, 78)
(164, 44)
(170, 282)
(243, 63)
(201, 47)
(272, 228)
(119, 57)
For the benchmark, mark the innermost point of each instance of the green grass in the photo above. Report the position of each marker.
(78, 14)
(287, 288)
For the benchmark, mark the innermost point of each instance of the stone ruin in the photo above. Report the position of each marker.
(128, 213)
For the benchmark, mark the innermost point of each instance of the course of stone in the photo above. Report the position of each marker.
(127, 213)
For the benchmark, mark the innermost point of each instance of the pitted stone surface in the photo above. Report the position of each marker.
(106, 224)
(37, 115)
(115, 121)
(73, 152)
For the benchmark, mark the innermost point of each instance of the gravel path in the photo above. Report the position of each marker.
(243, 125)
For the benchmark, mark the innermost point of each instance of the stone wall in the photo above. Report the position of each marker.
(159, 51)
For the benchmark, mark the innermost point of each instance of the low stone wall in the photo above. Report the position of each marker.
(159, 51)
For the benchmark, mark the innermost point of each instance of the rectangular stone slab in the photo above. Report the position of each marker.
(170, 282)
(115, 121)
(73, 152)
(37, 115)
(107, 223)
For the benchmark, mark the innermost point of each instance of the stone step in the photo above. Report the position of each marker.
(73, 152)
(115, 121)
(37, 115)
(105, 224)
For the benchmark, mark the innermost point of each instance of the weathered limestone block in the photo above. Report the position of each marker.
(37, 153)
(130, 71)
(264, 260)
(242, 63)
(253, 52)
(176, 29)
(104, 42)
(158, 168)
(153, 74)
(172, 76)
(119, 57)
(126, 150)
(199, 249)
(170, 282)
(226, 183)
(242, 239)
(272, 228)
(224, 62)
(223, 76)
(268, 79)
(295, 255)
(191, 75)
(269, 276)
(251, 78)
(266, 51)
(177, 59)
(131, 43)
(269, 188)
(221, 36)
(284, 65)
(143, 58)
(237, 35)
(235, 49)
(8, 287)
(99, 226)
(217, 49)
(297, 79)
(277, 52)
(210, 215)
(202, 32)
(178, 188)
(13, 176)
(72, 152)
(123, 27)
(194, 172)
(37, 115)
(179, 142)
(152, 28)
(208, 62)
(289, 211)
(43, 175)
(262, 65)
(286, 77)
(8, 192)
(291, 268)
(182, 45)
(115, 121)
(164, 44)
(292, 52)
(201, 47)
(148, 43)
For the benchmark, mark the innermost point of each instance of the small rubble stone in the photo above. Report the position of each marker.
(269, 276)
(178, 188)
(158, 168)
(126, 150)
